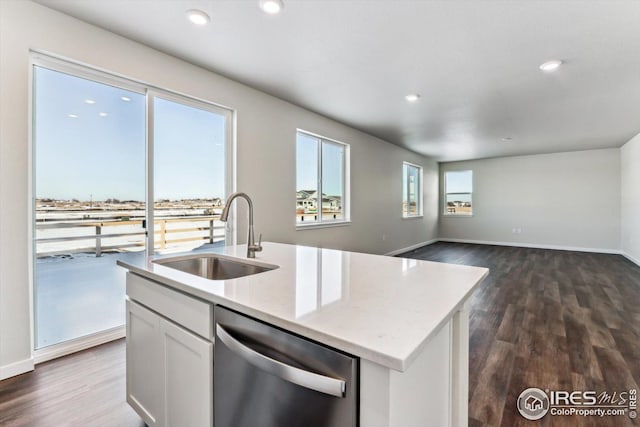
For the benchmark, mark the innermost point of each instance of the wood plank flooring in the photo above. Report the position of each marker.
(556, 320)
(83, 389)
(542, 318)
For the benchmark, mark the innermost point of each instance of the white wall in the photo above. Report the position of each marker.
(630, 201)
(266, 129)
(568, 200)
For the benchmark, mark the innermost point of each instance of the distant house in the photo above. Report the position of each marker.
(307, 200)
(459, 204)
(332, 202)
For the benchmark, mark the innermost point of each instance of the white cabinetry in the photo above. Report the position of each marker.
(144, 364)
(169, 367)
(188, 377)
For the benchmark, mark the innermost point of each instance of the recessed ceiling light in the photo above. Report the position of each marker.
(507, 139)
(125, 98)
(73, 116)
(89, 101)
(103, 114)
(551, 65)
(271, 6)
(412, 97)
(198, 17)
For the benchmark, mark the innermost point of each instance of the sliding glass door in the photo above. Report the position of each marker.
(114, 163)
(189, 169)
(89, 186)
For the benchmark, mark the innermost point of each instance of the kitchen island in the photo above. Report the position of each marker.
(406, 320)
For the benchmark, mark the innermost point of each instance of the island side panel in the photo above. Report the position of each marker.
(419, 397)
(374, 394)
(460, 367)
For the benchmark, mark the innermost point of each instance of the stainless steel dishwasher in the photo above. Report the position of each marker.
(267, 377)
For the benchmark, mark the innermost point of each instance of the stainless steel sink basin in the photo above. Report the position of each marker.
(214, 266)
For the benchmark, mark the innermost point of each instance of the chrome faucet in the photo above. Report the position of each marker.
(252, 248)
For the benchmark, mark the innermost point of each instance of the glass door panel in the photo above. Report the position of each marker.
(189, 168)
(89, 187)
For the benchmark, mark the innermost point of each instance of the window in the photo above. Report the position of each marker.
(321, 180)
(411, 190)
(458, 187)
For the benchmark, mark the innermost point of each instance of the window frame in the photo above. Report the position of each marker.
(445, 211)
(346, 172)
(419, 195)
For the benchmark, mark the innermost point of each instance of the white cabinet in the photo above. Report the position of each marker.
(188, 377)
(169, 368)
(144, 364)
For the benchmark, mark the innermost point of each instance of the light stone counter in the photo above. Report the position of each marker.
(406, 319)
(380, 308)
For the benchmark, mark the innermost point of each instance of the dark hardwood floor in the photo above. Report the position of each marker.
(554, 320)
(549, 319)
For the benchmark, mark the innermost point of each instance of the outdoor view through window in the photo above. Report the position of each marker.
(320, 169)
(412, 191)
(459, 191)
(189, 175)
(90, 184)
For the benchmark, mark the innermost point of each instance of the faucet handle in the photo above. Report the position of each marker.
(259, 248)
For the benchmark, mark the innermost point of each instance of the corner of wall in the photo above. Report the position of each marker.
(636, 261)
(630, 199)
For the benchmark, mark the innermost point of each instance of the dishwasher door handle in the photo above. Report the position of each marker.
(321, 383)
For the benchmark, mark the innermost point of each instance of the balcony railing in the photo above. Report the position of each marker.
(164, 229)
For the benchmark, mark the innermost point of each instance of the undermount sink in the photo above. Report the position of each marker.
(214, 266)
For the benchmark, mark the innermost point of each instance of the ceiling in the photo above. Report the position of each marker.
(474, 63)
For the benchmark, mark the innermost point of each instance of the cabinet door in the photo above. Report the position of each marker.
(188, 374)
(144, 364)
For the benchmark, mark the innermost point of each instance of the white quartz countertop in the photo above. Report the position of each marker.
(380, 308)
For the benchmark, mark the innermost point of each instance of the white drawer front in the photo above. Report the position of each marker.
(187, 311)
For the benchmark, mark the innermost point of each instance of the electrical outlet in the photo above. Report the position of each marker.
(384, 237)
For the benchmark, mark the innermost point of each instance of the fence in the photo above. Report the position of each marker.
(162, 231)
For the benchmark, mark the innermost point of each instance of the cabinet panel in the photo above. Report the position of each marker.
(188, 374)
(144, 363)
(192, 313)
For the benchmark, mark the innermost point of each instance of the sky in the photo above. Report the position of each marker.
(90, 143)
(459, 182)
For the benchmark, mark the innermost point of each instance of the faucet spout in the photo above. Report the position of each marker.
(252, 247)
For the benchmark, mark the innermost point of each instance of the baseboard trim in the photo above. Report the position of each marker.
(410, 248)
(535, 246)
(78, 344)
(16, 368)
(630, 258)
